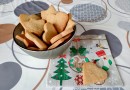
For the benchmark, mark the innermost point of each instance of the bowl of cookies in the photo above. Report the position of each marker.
(45, 35)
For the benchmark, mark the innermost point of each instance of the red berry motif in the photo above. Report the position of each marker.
(79, 79)
(76, 39)
(62, 56)
(100, 53)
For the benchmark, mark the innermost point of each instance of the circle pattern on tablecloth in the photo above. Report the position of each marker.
(121, 6)
(113, 41)
(124, 25)
(10, 74)
(75, 2)
(33, 7)
(5, 1)
(6, 32)
(88, 13)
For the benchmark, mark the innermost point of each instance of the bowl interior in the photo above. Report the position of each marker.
(19, 28)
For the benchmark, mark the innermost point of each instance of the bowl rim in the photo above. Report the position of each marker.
(74, 32)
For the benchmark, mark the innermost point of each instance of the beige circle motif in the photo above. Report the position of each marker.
(6, 32)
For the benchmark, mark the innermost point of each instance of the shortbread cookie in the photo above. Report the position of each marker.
(59, 20)
(35, 26)
(50, 10)
(93, 74)
(26, 17)
(38, 42)
(36, 17)
(57, 43)
(25, 40)
(32, 23)
(61, 35)
(49, 32)
(70, 24)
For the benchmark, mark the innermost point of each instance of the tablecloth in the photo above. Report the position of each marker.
(19, 71)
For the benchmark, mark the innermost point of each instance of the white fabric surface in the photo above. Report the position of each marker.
(31, 76)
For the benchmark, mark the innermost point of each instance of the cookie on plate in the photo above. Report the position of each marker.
(93, 74)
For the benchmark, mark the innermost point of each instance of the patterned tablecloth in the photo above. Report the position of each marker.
(19, 71)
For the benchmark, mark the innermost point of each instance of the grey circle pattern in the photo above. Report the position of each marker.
(88, 13)
(124, 25)
(113, 41)
(10, 74)
(123, 4)
(110, 2)
(33, 7)
(5, 1)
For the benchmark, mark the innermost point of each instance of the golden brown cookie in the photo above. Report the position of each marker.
(50, 10)
(59, 42)
(70, 24)
(93, 74)
(26, 17)
(35, 26)
(59, 20)
(32, 23)
(49, 32)
(61, 35)
(25, 40)
(38, 42)
(36, 17)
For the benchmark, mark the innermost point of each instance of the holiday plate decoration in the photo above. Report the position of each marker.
(66, 69)
(61, 72)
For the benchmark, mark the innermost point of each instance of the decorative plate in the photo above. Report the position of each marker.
(66, 69)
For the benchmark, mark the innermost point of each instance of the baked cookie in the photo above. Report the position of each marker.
(61, 35)
(26, 17)
(57, 43)
(25, 40)
(38, 42)
(49, 32)
(59, 20)
(70, 24)
(32, 23)
(93, 74)
(50, 10)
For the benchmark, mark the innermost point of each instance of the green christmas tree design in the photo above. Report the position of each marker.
(61, 72)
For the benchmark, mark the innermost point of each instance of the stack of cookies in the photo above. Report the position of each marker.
(47, 31)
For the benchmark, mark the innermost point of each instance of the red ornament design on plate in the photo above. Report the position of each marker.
(79, 79)
(76, 39)
(62, 56)
(100, 53)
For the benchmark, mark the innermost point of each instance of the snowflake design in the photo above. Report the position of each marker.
(79, 79)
